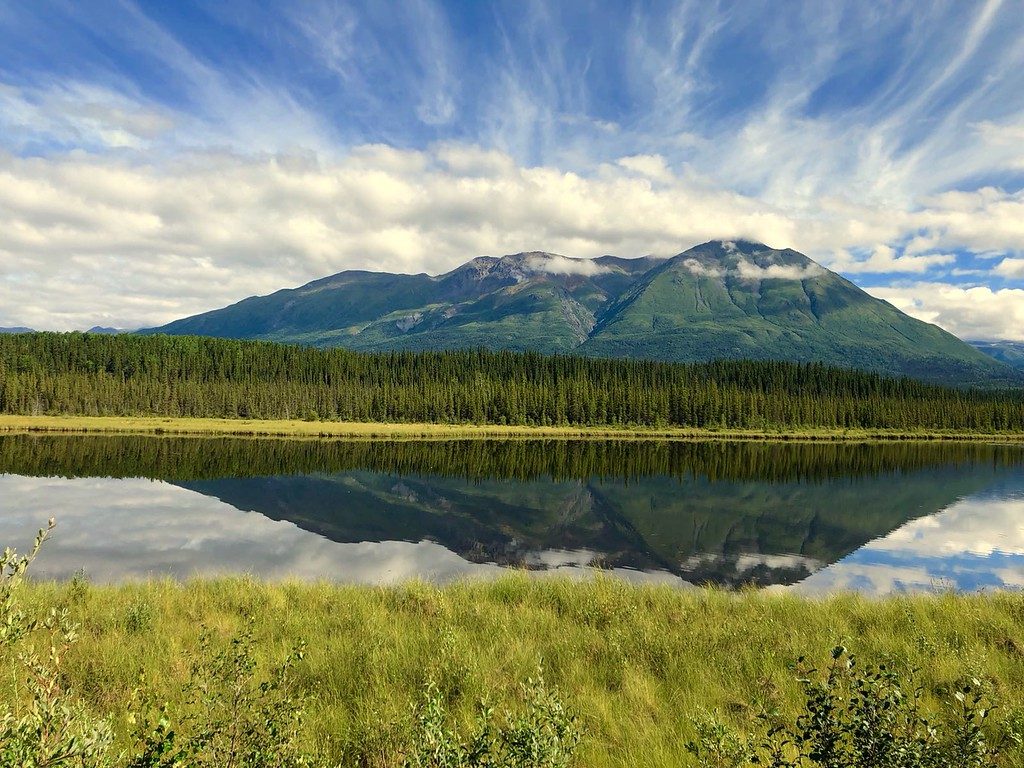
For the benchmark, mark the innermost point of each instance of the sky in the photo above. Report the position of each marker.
(161, 159)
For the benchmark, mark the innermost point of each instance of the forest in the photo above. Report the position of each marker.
(183, 376)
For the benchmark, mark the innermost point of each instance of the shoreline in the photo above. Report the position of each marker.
(280, 428)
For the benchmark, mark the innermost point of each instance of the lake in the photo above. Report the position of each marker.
(812, 517)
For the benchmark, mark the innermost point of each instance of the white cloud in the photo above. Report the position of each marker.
(970, 312)
(700, 269)
(1010, 268)
(750, 271)
(107, 239)
(81, 115)
(1011, 134)
(101, 238)
(747, 270)
(651, 166)
(561, 265)
(884, 259)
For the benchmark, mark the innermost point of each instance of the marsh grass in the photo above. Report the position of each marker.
(643, 667)
(309, 429)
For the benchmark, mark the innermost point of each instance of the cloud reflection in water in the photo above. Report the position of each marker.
(116, 529)
(976, 543)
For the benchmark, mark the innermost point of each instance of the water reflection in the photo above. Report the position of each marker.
(875, 518)
(976, 543)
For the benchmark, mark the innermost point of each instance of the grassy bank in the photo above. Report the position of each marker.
(638, 664)
(155, 425)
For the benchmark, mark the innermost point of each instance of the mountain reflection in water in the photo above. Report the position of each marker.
(874, 517)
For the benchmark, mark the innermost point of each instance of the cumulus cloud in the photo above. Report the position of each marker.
(128, 244)
(884, 259)
(1010, 268)
(651, 166)
(111, 240)
(970, 312)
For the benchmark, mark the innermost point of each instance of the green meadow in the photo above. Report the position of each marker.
(643, 670)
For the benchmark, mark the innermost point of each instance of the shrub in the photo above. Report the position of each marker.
(546, 735)
(53, 727)
(860, 718)
(233, 718)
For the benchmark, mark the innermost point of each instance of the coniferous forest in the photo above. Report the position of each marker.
(89, 374)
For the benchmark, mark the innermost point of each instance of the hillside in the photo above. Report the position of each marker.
(1009, 352)
(719, 300)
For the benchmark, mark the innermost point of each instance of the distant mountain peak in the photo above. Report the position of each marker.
(746, 260)
(733, 246)
(104, 330)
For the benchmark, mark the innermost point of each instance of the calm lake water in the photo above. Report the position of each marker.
(876, 518)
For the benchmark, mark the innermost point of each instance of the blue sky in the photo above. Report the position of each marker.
(158, 159)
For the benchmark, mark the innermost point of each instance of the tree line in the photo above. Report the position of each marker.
(182, 376)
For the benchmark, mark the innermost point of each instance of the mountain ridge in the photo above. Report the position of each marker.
(718, 300)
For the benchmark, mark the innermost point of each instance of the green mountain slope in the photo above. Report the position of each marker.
(1009, 352)
(524, 301)
(745, 300)
(717, 300)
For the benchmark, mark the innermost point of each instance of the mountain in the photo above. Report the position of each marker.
(94, 329)
(525, 301)
(1009, 352)
(716, 300)
(106, 331)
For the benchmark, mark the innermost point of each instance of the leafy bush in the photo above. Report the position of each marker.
(237, 719)
(859, 718)
(46, 725)
(545, 736)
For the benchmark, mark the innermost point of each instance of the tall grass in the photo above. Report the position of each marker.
(646, 669)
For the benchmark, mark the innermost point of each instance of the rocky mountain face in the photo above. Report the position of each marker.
(717, 300)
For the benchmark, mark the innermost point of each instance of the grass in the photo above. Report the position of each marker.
(638, 663)
(156, 425)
